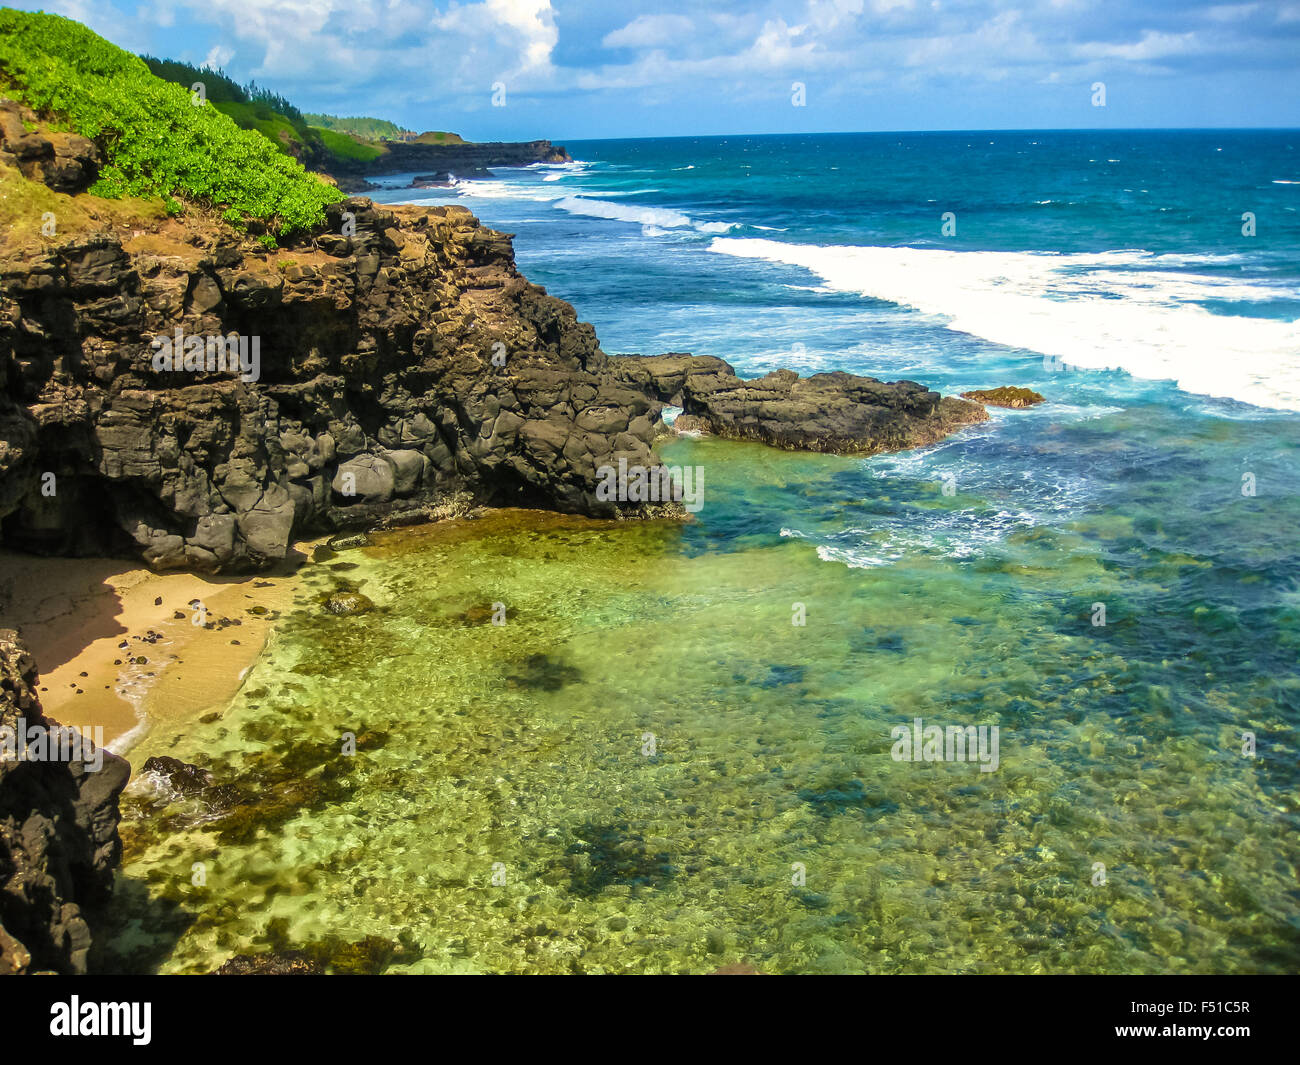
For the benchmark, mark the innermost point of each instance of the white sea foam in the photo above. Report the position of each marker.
(659, 217)
(663, 217)
(506, 190)
(134, 683)
(1127, 310)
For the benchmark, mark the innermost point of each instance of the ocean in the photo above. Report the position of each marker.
(654, 766)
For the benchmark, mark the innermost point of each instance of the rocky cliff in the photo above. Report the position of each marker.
(402, 362)
(176, 390)
(403, 366)
(436, 161)
(58, 832)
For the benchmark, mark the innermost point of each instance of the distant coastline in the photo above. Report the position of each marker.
(440, 162)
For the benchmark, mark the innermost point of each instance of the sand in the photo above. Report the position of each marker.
(75, 614)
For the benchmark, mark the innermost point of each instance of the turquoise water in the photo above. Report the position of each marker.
(1102, 250)
(650, 768)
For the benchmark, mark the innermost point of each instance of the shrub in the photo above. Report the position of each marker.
(156, 141)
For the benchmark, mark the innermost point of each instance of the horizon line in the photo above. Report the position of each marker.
(881, 132)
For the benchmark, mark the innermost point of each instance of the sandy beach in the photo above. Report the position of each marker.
(119, 645)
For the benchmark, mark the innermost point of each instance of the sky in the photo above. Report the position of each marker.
(589, 69)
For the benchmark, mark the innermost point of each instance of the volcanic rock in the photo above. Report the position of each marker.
(58, 836)
(829, 412)
(405, 372)
(1006, 396)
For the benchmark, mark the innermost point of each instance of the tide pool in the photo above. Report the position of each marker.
(650, 768)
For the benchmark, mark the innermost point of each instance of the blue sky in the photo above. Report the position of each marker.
(574, 69)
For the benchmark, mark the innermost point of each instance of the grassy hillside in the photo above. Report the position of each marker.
(371, 129)
(317, 140)
(434, 137)
(156, 140)
(274, 126)
(346, 145)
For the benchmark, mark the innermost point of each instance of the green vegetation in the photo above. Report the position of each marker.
(221, 89)
(272, 125)
(366, 128)
(251, 107)
(157, 141)
(347, 146)
(216, 84)
(435, 137)
(311, 137)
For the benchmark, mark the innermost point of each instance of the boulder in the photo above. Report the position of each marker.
(347, 604)
(408, 470)
(66, 162)
(366, 478)
(1006, 396)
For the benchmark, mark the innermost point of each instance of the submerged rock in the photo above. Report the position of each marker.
(342, 543)
(183, 777)
(543, 673)
(370, 955)
(849, 795)
(287, 963)
(1006, 396)
(475, 615)
(346, 604)
(604, 855)
(192, 781)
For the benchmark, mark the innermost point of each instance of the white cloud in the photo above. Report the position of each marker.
(1152, 45)
(779, 45)
(218, 57)
(1230, 12)
(647, 31)
(413, 56)
(525, 26)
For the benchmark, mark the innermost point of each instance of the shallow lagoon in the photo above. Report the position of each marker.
(507, 812)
